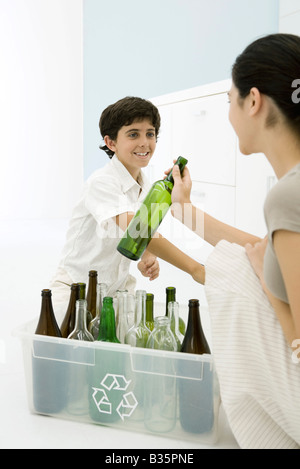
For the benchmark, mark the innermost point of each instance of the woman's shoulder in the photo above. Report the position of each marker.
(284, 198)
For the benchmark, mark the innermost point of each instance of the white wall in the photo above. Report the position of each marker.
(149, 49)
(41, 144)
(289, 16)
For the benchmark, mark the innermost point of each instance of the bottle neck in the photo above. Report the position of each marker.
(101, 293)
(81, 311)
(81, 291)
(173, 314)
(162, 322)
(107, 328)
(149, 307)
(170, 296)
(181, 162)
(140, 307)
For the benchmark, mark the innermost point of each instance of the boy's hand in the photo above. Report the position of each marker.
(149, 266)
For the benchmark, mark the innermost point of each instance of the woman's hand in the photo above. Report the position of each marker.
(181, 193)
(149, 266)
(256, 255)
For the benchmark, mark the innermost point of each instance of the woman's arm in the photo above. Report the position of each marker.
(204, 225)
(161, 247)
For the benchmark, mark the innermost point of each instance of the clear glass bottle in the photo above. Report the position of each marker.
(68, 323)
(125, 310)
(162, 338)
(149, 216)
(80, 331)
(196, 403)
(171, 296)
(95, 323)
(138, 335)
(107, 329)
(173, 314)
(150, 311)
(91, 296)
(160, 399)
(82, 296)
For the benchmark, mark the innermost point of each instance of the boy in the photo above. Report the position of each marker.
(110, 198)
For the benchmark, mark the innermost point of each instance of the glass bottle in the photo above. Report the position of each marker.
(194, 339)
(173, 314)
(107, 328)
(95, 323)
(125, 310)
(149, 311)
(138, 335)
(47, 324)
(68, 323)
(160, 399)
(48, 376)
(162, 338)
(196, 395)
(91, 296)
(80, 331)
(149, 216)
(171, 296)
(82, 296)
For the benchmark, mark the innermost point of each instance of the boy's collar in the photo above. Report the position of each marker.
(127, 181)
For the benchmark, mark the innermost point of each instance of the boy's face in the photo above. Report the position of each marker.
(134, 146)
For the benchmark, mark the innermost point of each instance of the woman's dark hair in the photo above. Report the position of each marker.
(271, 64)
(125, 112)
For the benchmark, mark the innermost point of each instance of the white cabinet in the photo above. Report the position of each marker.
(255, 177)
(201, 132)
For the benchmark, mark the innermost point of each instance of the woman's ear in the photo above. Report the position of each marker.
(109, 143)
(255, 101)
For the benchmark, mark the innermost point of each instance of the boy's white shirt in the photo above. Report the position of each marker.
(93, 236)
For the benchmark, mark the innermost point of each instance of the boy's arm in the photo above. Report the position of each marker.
(162, 248)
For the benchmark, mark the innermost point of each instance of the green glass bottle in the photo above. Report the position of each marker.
(107, 328)
(149, 311)
(171, 296)
(149, 216)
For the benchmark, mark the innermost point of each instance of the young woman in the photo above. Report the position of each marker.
(256, 327)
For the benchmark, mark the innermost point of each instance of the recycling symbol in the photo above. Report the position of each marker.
(110, 382)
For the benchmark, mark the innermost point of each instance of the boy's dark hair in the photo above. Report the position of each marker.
(125, 112)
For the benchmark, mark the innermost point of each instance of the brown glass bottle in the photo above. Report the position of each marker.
(194, 340)
(48, 375)
(47, 324)
(91, 296)
(68, 323)
(196, 395)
